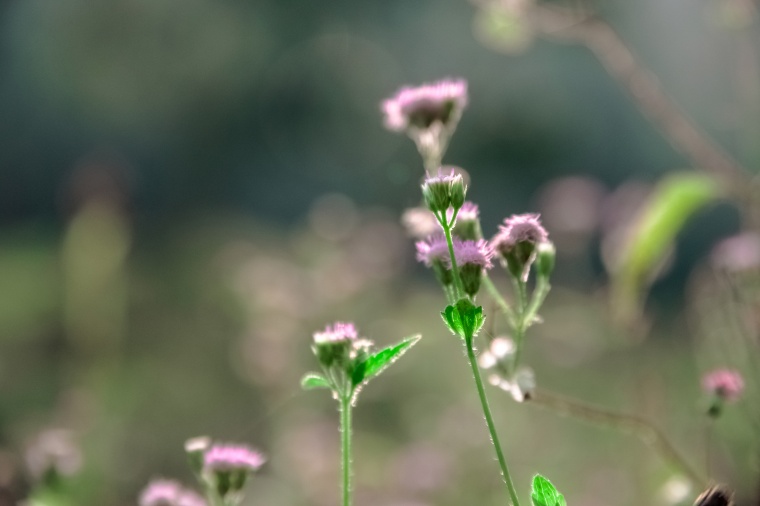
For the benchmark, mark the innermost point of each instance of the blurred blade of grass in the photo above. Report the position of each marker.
(651, 235)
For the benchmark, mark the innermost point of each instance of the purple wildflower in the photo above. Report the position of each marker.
(516, 242)
(434, 250)
(421, 106)
(467, 226)
(169, 493)
(473, 252)
(473, 257)
(726, 384)
(222, 457)
(520, 228)
(336, 333)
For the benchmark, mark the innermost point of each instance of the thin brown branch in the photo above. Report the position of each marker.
(643, 87)
(635, 425)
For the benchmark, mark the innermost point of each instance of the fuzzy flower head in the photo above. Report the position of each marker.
(726, 384)
(169, 493)
(434, 253)
(444, 190)
(421, 106)
(477, 253)
(517, 241)
(473, 257)
(228, 466)
(467, 226)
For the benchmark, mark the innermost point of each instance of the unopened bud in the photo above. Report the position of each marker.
(545, 255)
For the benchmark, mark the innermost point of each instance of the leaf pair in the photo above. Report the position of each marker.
(365, 370)
(464, 318)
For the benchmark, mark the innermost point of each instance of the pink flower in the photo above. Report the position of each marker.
(421, 106)
(336, 333)
(222, 457)
(724, 383)
(169, 493)
(519, 228)
(473, 253)
(432, 250)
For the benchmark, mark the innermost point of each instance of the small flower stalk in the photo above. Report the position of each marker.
(348, 363)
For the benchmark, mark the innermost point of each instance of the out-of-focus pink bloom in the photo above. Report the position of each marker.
(420, 223)
(468, 212)
(169, 493)
(738, 253)
(432, 250)
(423, 105)
(725, 383)
(235, 457)
(336, 333)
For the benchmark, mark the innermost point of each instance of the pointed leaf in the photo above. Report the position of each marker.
(451, 318)
(378, 362)
(313, 380)
(544, 493)
(471, 317)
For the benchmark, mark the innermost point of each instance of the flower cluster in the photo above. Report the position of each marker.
(472, 258)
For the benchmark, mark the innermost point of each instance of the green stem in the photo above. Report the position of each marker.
(345, 436)
(500, 301)
(458, 288)
(539, 295)
(489, 422)
(521, 322)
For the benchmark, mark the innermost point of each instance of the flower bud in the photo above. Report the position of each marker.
(333, 346)
(545, 255)
(458, 191)
(439, 190)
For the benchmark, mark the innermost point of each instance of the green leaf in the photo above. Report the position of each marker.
(464, 318)
(313, 380)
(451, 318)
(652, 234)
(544, 493)
(379, 361)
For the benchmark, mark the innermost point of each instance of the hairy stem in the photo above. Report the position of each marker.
(646, 431)
(489, 422)
(521, 323)
(458, 288)
(345, 438)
